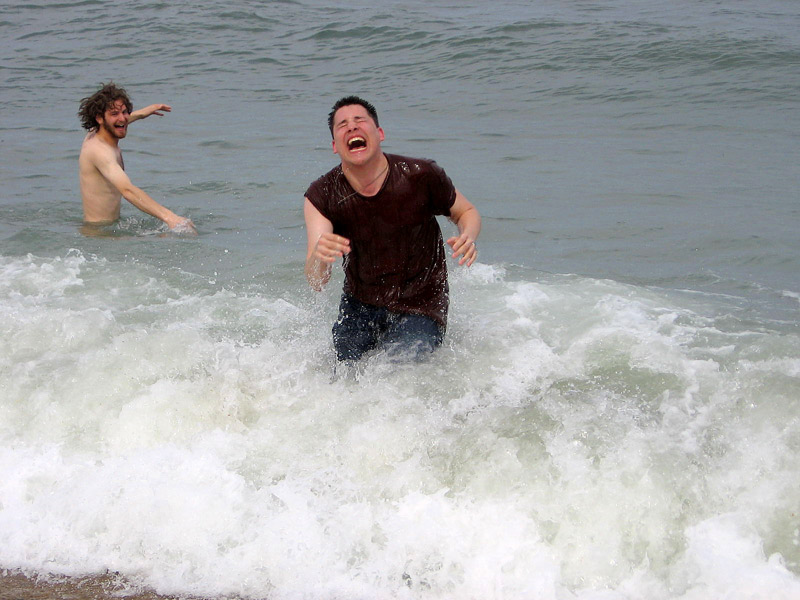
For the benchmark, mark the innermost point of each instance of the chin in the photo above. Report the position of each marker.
(360, 157)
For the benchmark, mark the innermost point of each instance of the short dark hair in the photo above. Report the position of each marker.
(349, 101)
(96, 104)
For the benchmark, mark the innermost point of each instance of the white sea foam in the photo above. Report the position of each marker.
(793, 295)
(573, 438)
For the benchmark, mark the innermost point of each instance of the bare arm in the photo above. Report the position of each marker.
(468, 220)
(108, 166)
(153, 109)
(324, 247)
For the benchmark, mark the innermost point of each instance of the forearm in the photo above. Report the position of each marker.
(324, 247)
(317, 272)
(469, 223)
(468, 220)
(136, 116)
(141, 200)
(153, 109)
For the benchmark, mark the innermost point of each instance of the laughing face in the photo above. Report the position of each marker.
(356, 138)
(115, 120)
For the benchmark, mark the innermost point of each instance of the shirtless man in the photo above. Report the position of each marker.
(377, 212)
(106, 115)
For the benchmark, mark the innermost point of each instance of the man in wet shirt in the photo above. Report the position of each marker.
(378, 212)
(106, 115)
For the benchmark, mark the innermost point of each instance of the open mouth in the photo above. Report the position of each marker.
(356, 143)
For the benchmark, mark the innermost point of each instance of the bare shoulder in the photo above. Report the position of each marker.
(91, 143)
(93, 150)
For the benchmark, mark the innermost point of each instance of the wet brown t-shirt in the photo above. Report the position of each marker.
(397, 259)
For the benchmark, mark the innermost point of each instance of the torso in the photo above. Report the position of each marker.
(101, 199)
(397, 259)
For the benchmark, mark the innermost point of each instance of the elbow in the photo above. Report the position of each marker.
(130, 193)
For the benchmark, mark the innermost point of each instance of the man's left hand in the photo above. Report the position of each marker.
(155, 109)
(465, 247)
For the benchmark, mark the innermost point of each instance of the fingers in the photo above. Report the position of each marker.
(470, 255)
(464, 247)
(156, 109)
(331, 247)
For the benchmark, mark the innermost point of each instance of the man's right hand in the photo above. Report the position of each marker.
(330, 247)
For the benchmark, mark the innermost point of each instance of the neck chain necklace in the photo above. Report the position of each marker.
(378, 176)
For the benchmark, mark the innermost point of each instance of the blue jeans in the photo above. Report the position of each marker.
(363, 327)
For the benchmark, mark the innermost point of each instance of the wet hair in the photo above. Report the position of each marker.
(349, 101)
(95, 105)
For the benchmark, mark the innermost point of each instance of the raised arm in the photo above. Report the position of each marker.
(153, 109)
(468, 220)
(324, 247)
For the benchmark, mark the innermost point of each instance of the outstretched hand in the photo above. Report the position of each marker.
(464, 246)
(155, 109)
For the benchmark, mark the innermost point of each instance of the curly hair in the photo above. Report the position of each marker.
(348, 101)
(96, 104)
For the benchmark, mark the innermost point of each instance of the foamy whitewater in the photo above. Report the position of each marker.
(615, 412)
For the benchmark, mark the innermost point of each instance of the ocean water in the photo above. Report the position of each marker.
(615, 413)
